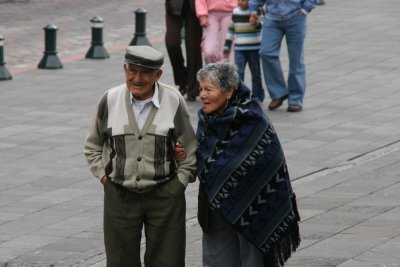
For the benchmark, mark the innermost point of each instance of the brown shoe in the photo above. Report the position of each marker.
(276, 103)
(294, 108)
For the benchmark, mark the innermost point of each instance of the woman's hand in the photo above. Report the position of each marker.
(203, 21)
(179, 153)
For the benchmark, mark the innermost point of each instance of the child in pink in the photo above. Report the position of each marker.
(215, 18)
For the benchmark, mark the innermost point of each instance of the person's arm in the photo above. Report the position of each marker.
(93, 146)
(201, 8)
(202, 12)
(230, 34)
(184, 135)
(254, 7)
(179, 153)
(307, 6)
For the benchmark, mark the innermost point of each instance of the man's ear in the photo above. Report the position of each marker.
(158, 74)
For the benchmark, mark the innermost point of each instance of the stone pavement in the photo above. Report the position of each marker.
(343, 150)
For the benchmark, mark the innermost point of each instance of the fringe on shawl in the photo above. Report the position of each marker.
(288, 242)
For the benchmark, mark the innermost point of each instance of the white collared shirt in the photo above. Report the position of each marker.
(142, 108)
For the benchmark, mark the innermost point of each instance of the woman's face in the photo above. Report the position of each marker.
(214, 100)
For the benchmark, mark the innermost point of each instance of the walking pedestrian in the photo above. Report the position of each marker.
(129, 147)
(247, 208)
(283, 18)
(214, 17)
(181, 14)
(246, 39)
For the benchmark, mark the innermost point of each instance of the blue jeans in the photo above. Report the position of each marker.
(294, 29)
(253, 58)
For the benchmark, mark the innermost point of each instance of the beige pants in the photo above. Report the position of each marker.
(162, 213)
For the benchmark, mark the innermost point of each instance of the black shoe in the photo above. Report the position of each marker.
(190, 98)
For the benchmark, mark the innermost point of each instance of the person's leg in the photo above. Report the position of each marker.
(193, 50)
(220, 244)
(271, 39)
(165, 231)
(249, 254)
(240, 62)
(258, 93)
(210, 44)
(225, 21)
(173, 45)
(296, 28)
(123, 221)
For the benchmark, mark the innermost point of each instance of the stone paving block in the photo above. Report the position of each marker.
(47, 258)
(300, 259)
(29, 242)
(8, 254)
(358, 263)
(25, 225)
(371, 259)
(27, 264)
(390, 248)
(351, 103)
(83, 222)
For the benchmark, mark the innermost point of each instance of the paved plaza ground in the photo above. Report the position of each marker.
(343, 149)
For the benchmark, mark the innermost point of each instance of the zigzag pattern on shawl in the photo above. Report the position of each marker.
(250, 167)
(255, 197)
(240, 132)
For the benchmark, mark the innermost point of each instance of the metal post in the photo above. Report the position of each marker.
(4, 73)
(97, 50)
(50, 59)
(140, 31)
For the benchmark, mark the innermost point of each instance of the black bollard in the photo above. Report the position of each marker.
(140, 31)
(97, 50)
(4, 74)
(50, 59)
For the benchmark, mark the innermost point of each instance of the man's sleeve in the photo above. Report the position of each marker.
(185, 135)
(93, 146)
(254, 5)
(308, 5)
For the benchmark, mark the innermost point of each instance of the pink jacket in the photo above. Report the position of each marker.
(205, 6)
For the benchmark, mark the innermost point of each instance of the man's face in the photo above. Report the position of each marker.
(140, 80)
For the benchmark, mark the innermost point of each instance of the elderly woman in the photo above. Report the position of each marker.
(247, 208)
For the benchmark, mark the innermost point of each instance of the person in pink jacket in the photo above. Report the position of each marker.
(214, 17)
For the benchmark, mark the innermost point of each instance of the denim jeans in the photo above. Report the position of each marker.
(294, 29)
(251, 57)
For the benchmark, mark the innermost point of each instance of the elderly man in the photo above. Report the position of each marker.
(130, 147)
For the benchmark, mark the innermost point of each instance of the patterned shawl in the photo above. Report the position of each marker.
(242, 165)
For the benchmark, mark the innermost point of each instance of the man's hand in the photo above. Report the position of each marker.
(302, 12)
(103, 180)
(253, 18)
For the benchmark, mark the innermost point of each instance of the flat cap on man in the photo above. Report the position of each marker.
(145, 56)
